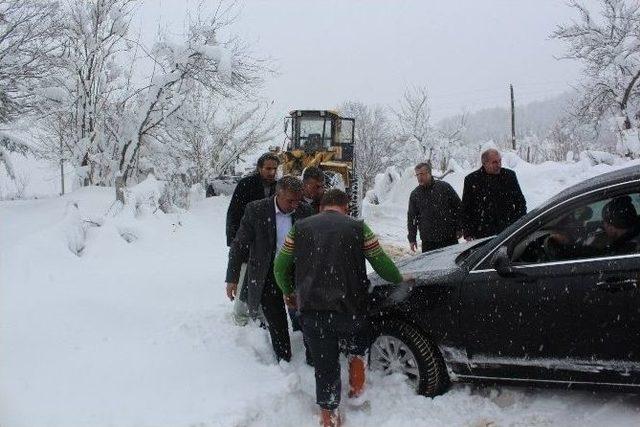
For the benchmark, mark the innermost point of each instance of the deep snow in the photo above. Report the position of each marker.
(140, 334)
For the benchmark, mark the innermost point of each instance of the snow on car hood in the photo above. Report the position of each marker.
(432, 264)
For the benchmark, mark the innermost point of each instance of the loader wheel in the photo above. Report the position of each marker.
(400, 348)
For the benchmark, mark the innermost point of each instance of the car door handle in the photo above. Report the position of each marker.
(614, 285)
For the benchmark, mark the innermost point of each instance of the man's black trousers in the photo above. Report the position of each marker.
(322, 331)
(276, 316)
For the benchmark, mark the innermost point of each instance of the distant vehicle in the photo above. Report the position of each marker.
(324, 139)
(545, 301)
(222, 184)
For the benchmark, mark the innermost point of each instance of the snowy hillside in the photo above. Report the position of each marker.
(121, 319)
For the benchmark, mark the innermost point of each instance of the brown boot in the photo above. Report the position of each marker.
(330, 418)
(356, 376)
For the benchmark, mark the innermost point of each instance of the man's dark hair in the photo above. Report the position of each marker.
(424, 165)
(313, 172)
(289, 183)
(620, 213)
(334, 197)
(267, 156)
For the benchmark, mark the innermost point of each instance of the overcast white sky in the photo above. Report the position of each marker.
(466, 52)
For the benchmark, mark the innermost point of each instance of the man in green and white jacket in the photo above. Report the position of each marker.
(329, 287)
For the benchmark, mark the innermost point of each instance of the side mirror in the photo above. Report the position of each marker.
(502, 263)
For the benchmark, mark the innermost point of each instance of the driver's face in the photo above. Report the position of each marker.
(612, 231)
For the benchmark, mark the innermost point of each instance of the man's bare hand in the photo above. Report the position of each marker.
(560, 238)
(290, 301)
(232, 289)
(413, 246)
(408, 277)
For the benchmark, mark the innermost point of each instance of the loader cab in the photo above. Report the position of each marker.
(314, 131)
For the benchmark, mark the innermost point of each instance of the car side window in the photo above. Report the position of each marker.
(606, 227)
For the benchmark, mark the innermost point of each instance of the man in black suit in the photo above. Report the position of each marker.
(492, 199)
(256, 186)
(261, 234)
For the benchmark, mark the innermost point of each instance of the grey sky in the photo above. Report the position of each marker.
(465, 52)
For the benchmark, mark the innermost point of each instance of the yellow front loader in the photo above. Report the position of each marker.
(324, 139)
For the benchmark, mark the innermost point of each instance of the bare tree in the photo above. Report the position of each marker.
(607, 45)
(449, 139)
(27, 46)
(374, 140)
(28, 30)
(414, 121)
(208, 136)
(201, 63)
(87, 84)
(115, 100)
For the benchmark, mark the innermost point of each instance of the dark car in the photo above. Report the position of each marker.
(552, 299)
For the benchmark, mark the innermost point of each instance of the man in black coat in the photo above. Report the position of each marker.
(491, 199)
(256, 186)
(433, 210)
(262, 232)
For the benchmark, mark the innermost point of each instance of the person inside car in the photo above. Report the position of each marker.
(621, 226)
(619, 234)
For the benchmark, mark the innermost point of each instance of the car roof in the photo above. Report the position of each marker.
(631, 173)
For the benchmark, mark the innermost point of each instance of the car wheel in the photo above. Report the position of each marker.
(401, 348)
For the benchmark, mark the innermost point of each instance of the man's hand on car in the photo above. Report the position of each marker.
(409, 277)
(232, 289)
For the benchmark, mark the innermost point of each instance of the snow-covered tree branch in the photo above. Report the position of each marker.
(116, 105)
(375, 143)
(608, 47)
(413, 117)
(208, 137)
(28, 30)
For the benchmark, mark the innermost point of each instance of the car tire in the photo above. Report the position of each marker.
(432, 378)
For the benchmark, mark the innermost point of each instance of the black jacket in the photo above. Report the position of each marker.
(255, 244)
(330, 272)
(249, 189)
(490, 203)
(433, 210)
(313, 205)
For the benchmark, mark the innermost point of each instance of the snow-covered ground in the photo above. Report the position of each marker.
(123, 321)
